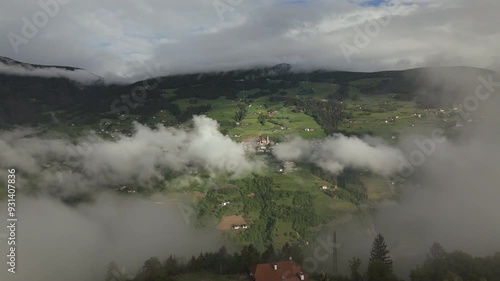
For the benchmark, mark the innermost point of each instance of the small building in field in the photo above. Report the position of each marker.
(223, 204)
(238, 226)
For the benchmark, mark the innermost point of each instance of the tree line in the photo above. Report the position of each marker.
(439, 265)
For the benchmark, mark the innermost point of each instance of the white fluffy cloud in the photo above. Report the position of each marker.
(335, 153)
(143, 156)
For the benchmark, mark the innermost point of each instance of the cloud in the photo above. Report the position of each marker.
(450, 198)
(61, 242)
(56, 242)
(187, 37)
(335, 153)
(144, 156)
(78, 75)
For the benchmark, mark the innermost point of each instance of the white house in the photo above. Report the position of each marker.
(223, 204)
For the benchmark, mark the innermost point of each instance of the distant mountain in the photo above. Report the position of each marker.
(31, 94)
(29, 91)
(11, 62)
(10, 67)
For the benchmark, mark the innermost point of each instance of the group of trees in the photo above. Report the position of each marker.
(241, 113)
(439, 265)
(221, 262)
(192, 110)
(457, 265)
(351, 188)
(266, 202)
(225, 263)
(300, 213)
(380, 266)
(341, 93)
(327, 113)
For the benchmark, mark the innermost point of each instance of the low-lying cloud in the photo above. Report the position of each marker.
(452, 195)
(56, 242)
(79, 75)
(143, 156)
(338, 152)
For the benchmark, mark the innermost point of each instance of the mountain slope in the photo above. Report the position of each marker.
(33, 94)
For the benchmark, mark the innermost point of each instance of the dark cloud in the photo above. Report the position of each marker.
(116, 38)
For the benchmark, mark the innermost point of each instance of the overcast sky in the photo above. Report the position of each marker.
(129, 38)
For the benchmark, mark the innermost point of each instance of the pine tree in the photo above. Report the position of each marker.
(380, 253)
(269, 255)
(172, 266)
(354, 264)
(286, 251)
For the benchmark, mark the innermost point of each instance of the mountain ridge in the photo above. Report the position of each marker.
(32, 100)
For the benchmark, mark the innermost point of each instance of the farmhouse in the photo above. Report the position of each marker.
(279, 271)
(223, 204)
(237, 226)
(264, 140)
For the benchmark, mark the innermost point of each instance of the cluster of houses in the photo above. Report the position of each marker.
(239, 226)
(257, 143)
(264, 145)
(325, 187)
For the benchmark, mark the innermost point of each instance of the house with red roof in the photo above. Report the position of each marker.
(278, 271)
